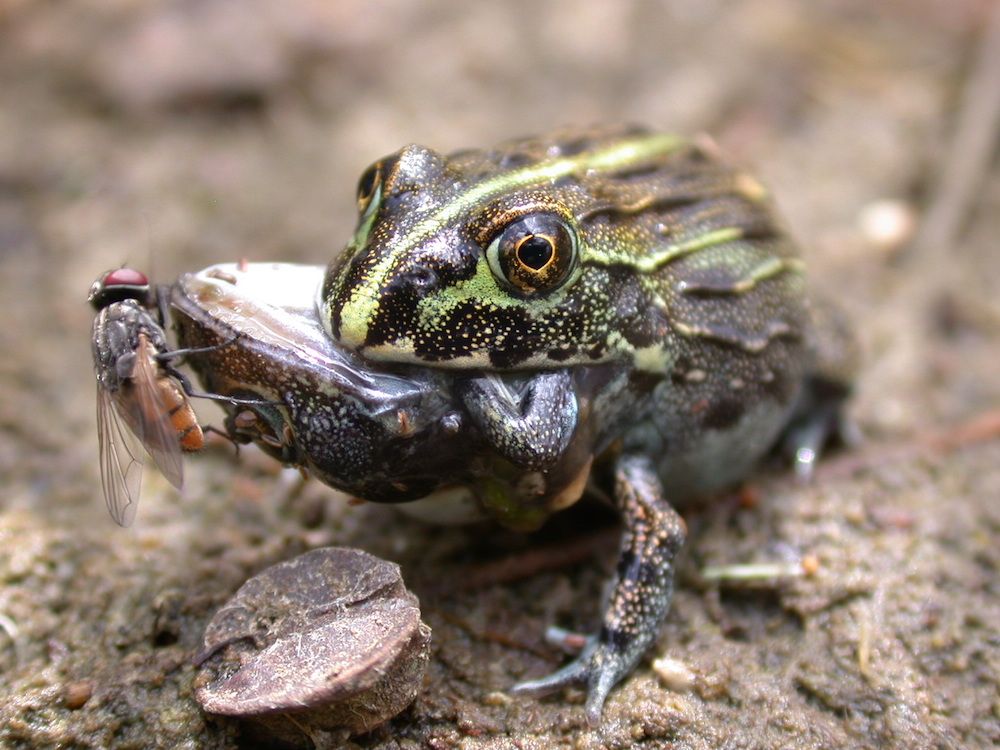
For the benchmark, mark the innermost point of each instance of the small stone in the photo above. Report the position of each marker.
(497, 698)
(887, 224)
(76, 694)
(328, 642)
(810, 565)
(674, 675)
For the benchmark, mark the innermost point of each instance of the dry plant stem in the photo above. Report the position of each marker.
(532, 562)
(980, 429)
(493, 636)
(972, 147)
(752, 572)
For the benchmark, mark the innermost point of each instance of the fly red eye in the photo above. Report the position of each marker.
(118, 285)
(125, 277)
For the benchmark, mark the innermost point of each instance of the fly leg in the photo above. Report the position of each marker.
(641, 592)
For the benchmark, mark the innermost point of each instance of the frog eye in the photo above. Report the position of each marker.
(533, 254)
(368, 185)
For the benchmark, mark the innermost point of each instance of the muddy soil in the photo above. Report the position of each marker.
(173, 135)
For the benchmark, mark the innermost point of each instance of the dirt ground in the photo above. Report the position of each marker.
(173, 135)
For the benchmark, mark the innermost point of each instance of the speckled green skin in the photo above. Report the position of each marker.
(678, 315)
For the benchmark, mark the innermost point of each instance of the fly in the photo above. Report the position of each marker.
(142, 401)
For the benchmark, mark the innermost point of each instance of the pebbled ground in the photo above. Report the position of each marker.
(178, 134)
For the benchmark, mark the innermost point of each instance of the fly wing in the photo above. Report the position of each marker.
(150, 416)
(121, 459)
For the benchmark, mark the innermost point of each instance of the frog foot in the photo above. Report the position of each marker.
(805, 440)
(598, 667)
(818, 420)
(640, 593)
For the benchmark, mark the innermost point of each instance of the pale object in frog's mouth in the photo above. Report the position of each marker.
(274, 303)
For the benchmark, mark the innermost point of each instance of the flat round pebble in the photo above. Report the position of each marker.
(330, 641)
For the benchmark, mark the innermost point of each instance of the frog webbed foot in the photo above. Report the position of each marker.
(598, 667)
(640, 595)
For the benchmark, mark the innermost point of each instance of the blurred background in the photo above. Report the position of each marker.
(172, 135)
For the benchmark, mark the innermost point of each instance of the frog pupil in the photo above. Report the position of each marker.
(534, 252)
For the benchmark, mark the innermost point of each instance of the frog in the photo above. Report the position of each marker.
(619, 309)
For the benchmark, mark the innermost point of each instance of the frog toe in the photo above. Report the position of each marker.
(573, 673)
(597, 667)
(805, 440)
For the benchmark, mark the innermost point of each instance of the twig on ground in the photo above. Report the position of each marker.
(969, 155)
(980, 429)
(532, 562)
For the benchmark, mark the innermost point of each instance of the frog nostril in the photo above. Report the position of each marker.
(422, 279)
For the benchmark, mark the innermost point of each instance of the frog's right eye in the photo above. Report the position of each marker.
(368, 186)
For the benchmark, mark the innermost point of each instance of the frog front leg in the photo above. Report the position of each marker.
(641, 592)
(529, 421)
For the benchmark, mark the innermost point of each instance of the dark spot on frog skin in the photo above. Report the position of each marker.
(631, 568)
(395, 305)
(617, 639)
(723, 413)
(561, 355)
(629, 298)
(646, 323)
(644, 382)
(682, 365)
(504, 358)
(778, 386)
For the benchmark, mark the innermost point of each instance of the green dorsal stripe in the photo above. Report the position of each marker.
(663, 255)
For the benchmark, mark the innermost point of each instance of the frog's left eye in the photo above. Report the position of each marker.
(368, 185)
(533, 254)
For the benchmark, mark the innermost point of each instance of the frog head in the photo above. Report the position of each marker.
(529, 255)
